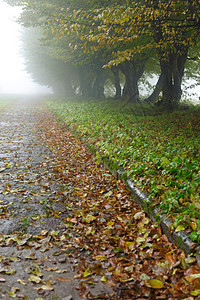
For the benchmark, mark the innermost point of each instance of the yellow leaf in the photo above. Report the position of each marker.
(89, 218)
(30, 256)
(62, 271)
(130, 245)
(44, 288)
(35, 279)
(110, 223)
(87, 273)
(62, 237)
(63, 279)
(21, 281)
(100, 257)
(195, 293)
(11, 272)
(54, 232)
(193, 225)
(35, 218)
(180, 228)
(13, 258)
(51, 268)
(127, 280)
(43, 232)
(154, 283)
(104, 279)
(140, 240)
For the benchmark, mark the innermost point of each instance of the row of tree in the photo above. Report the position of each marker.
(84, 44)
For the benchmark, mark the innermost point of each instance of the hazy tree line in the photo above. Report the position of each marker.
(78, 47)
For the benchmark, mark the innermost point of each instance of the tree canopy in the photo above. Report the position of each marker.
(122, 35)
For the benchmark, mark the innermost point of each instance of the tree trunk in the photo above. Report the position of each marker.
(118, 90)
(98, 86)
(132, 71)
(172, 69)
(172, 73)
(156, 92)
(63, 89)
(125, 91)
(85, 79)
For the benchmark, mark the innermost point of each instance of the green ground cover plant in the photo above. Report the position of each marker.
(160, 152)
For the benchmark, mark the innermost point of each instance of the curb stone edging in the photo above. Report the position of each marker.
(181, 238)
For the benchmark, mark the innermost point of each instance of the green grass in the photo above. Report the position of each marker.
(159, 151)
(6, 100)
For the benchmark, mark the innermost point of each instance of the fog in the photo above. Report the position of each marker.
(13, 77)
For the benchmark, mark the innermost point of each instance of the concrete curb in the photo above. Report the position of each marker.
(181, 238)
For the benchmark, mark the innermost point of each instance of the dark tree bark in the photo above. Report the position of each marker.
(172, 73)
(98, 86)
(172, 69)
(156, 92)
(92, 80)
(118, 93)
(133, 72)
(125, 91)
(86, 78)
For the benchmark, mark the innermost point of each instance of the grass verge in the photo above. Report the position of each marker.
(160, 152)
(6, 101)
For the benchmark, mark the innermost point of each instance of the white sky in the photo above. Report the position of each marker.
(13, 78)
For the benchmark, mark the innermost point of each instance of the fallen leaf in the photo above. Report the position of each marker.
(87, 273)
(89, 218)
(154, 283)
(138, 215)
(35, 279)
(104, 279)
(44, 288)
(140, 240)
(21, 281)
(51, 268)
(11, 272)
(30, 256)
(44, 232)
(180, 228)
(62, 271)
(54, 232)
(192, 277)
(195, 293)
(63, 279)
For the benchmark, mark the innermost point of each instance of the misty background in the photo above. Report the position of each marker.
(13, 77)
